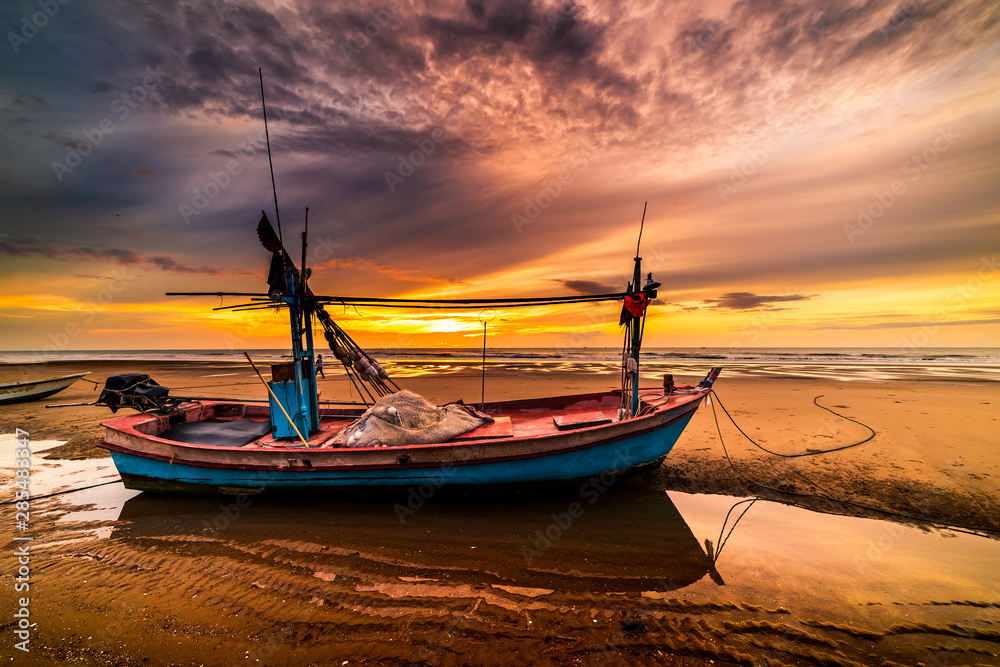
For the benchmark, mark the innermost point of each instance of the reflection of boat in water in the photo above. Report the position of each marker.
(32, 390)
(626, 540)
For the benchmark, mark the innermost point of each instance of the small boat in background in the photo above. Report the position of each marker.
(32, 390)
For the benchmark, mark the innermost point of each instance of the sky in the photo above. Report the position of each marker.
(813, 174)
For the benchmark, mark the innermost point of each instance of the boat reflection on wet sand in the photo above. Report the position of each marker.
(554, 580)
(632, 540)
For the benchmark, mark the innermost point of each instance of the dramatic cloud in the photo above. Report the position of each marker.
(588, 287)
(748, 301)
(835, 152)
(30, 247)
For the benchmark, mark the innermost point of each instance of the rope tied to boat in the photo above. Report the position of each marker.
(826, 496)
(810, 452)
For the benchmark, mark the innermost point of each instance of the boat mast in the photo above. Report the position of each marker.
(636, 329)
(298, 315)
(310, 391)
(306, 412)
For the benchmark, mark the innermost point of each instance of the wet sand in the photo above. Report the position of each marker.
(936, 454)
(160, 581)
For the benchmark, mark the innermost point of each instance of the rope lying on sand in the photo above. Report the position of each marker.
(810, 452)
(969, 529)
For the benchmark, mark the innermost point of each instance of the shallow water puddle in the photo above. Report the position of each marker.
(615, 571)
(865, 569)
(49, 476)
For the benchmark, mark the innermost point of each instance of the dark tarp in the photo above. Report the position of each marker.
(279, 258)
(133, 390)
(218, 432)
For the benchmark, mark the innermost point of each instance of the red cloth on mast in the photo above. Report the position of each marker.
(634, 306)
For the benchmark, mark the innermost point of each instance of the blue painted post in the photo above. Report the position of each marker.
(304, 387)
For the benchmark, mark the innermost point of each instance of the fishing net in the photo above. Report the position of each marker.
(405, 418)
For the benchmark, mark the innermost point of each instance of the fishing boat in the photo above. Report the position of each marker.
(32, 390)
(396, 439)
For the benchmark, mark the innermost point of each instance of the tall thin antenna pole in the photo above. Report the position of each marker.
(640, 226)
(268, 137)
(484, 318)
(307, 314)
(482, 395)
(305, 243)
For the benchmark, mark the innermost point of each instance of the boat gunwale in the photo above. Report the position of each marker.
(28, 383)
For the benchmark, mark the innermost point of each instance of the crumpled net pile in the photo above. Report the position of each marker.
(406, 418)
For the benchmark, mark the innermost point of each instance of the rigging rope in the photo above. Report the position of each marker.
(59, 493)
(960, 527)
(811, 452)
(260, 300)
(722, 542)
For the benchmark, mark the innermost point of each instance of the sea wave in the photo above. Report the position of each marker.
(844, 363)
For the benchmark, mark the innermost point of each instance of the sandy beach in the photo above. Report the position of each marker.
(160, 582)
(934, 456)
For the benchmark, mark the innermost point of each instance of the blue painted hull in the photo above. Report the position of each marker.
(612, 458)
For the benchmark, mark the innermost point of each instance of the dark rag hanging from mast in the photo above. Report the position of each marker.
(279, 258)
(265, 232)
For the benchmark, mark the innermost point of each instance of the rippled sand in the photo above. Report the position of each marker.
(149, 580)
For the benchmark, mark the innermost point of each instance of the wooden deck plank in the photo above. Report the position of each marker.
(580, 419)
(498, 428)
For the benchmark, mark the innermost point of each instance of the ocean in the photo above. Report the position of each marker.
(846, 364)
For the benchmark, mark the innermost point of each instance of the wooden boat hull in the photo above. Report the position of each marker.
(149, 463)
(33, 390)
